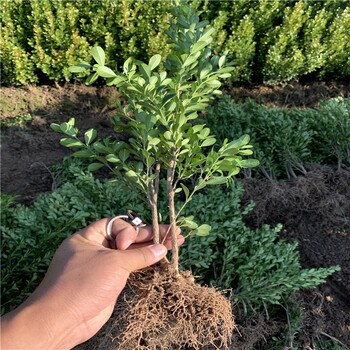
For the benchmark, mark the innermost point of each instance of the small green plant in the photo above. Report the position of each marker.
(165, 144)
(160, 118)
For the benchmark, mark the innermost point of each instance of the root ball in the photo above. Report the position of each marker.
(164, 310)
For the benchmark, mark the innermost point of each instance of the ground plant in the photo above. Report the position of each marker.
(166, 144)
(286, 140)
(31, 234)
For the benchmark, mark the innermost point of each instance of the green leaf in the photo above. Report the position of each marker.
(217, 180)
(105, 72)
(145, 71)
(242, 141)
(246, 152)
(201, 184)
(198, 46)
(189, 61)
(79, 68)
(71, 122)
(95, 166)
(91, 78)
(112, 158)
(124, 155)
(115, 81)
(68, 142)
(154, 61)
(202, 230)
(208, 142)
(249, 163)
(205, 71)
(214, 84)
(82, 154)
(55, 127)
(186, 190)
(90, 136)
(99, 55)
(222, 61)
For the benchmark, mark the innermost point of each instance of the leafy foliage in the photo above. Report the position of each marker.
(269, 40)
(255, 263)
(250, 261)
(159, 117)
(286, 139)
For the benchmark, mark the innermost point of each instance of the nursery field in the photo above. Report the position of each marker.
(313, 205)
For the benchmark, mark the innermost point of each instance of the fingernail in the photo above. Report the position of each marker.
(158, 250)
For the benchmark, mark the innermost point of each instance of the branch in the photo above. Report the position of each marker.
(154, 205)
(172, 215)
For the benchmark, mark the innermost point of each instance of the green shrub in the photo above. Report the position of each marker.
(286, 139)
(16, 64)
(269, 40)
(259, 266)
(255, 263)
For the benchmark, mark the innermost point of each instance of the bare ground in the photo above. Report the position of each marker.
(313, 208)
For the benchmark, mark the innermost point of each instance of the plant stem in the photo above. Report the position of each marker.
(172, 215)
(154, 205)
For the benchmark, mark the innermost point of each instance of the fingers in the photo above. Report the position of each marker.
(136, 259)
(167, 243)
(125, 234)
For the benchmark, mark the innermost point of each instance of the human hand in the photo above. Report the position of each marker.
(78, 294)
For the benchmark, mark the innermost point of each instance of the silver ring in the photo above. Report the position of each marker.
(132, 218)
(109, 226)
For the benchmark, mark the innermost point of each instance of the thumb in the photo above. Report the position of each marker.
(136, 259)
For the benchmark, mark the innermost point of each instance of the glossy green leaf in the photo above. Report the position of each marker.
(198, 46)
(116, 80)
(112, 158)
(91, 78)
(82, 154)
(90, 136)
(217, 180)
(186, 190)
(105, 72)
(124, 155)
(189, 61)
(154, 61)
(56, 127)
(208, 142)
(249, 163)
(99, 55)
(203, 230)
(95, 166)
(78, 68)
(68, 142)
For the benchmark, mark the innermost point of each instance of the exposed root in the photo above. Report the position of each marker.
(164, 311)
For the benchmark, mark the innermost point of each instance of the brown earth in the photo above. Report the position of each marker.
(314, 209)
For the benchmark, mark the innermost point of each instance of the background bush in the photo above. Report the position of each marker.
(273, 41)
(285, 139)
(255, 263)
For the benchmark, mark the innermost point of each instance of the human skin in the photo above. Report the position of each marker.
(80, 289)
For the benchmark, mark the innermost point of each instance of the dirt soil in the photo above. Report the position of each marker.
(314, 209)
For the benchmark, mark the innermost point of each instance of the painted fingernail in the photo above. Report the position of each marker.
(158, 250)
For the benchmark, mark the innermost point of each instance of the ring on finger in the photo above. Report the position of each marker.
(132, 218)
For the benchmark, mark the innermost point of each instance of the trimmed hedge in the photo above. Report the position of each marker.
(273, 41)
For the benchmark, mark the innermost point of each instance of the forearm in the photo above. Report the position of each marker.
(32, 326)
